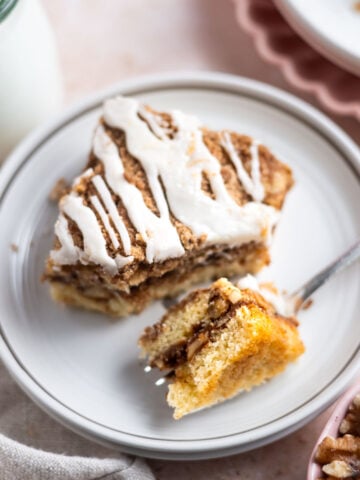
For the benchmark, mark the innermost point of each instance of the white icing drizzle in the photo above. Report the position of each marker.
(282, 306)
(175, 165)
(221, 219)
(259, 191)
(104, 218)
(161, 237)
(105, 196)
(94, 241)
(68, 253)
(252, 185)
(152, 120)
(122, 261)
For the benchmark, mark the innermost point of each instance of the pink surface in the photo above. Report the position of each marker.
(301, 65)
(104, 42)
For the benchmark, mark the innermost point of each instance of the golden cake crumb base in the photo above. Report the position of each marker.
(217, 342)
(248, 360)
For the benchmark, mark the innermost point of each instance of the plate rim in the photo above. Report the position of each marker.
(178, 449)
(324, 44)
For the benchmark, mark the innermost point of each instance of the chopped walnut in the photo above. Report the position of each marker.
(218, 305)
(197, 344)
(351, 422)
(340, 469)
(340, 457)
(235, 296)
(341, 448)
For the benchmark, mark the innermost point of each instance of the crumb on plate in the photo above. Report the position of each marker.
(59, 189)
(14, 248)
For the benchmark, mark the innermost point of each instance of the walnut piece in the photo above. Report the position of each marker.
(351, 422)
(339, 469)
(340, 456)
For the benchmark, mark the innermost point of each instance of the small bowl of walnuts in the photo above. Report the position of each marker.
(337, 452)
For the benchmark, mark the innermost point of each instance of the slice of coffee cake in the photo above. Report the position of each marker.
(163, 203)
(221, 340)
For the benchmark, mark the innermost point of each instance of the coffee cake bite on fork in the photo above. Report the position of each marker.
(221, 340)
(162, 204)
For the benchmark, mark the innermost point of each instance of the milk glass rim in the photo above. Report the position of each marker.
(6, 7)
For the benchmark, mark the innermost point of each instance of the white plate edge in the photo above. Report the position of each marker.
(324, 45)
(223, 82)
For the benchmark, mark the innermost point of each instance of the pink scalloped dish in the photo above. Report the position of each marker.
(302, 66)
(332, 428)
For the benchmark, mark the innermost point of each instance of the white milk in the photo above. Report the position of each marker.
(30, 82)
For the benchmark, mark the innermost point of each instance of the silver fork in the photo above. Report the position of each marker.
(302, 294)
(298, 298)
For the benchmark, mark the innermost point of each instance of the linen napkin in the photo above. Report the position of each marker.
(34, 447)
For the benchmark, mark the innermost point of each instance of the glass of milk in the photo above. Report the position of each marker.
(30, 81)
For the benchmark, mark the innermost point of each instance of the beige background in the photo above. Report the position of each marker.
(101, 42)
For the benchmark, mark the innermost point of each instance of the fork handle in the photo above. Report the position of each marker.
(346, 259)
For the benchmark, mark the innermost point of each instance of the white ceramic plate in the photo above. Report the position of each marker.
(332, 27)
(84, 369)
